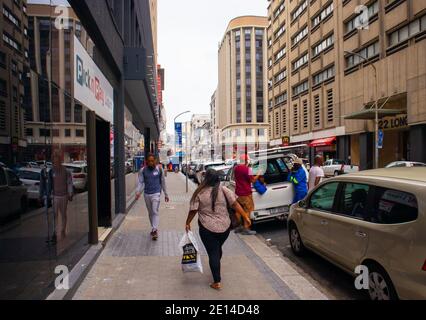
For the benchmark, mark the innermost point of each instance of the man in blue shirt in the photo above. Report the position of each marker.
(298, 178)
(152, 183)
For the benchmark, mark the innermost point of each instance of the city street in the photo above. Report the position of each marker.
(330, 279)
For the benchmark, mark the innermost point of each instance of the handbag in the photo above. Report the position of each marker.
(235, 222)
(260, 187)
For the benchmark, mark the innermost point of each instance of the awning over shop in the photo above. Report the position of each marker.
(323, 142)
(370, 114)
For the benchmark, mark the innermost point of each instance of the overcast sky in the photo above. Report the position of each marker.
(188, 35)
(189, 32)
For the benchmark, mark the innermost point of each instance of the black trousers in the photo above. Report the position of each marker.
(213, 243)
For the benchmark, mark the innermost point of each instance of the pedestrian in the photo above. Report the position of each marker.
(316, 174)
(244, 179)
(298, 178)
(56, 184)
(211, 201)
(152, 183)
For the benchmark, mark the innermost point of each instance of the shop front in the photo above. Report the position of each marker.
(327, 148)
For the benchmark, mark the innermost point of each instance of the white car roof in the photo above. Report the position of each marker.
(36, 170)
(74, 165)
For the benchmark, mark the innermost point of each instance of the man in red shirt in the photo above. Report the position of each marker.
(243, 189)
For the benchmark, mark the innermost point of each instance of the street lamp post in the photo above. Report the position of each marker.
(376, 106)
(180, 157)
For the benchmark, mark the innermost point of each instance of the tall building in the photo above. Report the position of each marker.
(241, 103)
(329, 61)
(14, 69)
(200, 137)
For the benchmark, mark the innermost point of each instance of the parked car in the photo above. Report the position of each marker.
(224, 171)
(30, 177)
(373, 218)
(191, 170)
(334, 167)
(274, 166)
(201, 169)
(79, 175)
(13, 195)
(409, 164)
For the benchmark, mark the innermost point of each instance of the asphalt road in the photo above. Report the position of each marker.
(332, 281)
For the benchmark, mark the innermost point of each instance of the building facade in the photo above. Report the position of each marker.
(330, 61)
(70, 95)
(241, 101)
(200, 137)
(14, 70)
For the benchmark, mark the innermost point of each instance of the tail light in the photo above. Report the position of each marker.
(424, 266)
(80, 176)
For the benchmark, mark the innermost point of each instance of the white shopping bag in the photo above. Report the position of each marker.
(191, 258)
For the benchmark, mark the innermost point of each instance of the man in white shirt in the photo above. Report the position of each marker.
(316, 174)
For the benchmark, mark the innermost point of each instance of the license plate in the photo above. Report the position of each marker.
(284, 209)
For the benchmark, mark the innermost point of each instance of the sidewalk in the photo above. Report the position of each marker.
(133, 267)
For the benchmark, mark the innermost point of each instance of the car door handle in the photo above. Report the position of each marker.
(361, 234)
(324, 223)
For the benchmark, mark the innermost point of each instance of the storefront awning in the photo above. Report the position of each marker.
(323, 142)
(370, 114)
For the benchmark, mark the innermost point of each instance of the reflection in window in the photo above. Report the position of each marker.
(323, 198)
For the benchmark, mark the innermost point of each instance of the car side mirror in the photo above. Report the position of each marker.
(302, 204)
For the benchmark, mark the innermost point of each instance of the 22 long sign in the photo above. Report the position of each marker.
(393, 123)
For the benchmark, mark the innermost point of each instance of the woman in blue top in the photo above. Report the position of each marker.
(298, 178)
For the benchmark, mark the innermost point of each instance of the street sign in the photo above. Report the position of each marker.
(178, 130)
(380, 140)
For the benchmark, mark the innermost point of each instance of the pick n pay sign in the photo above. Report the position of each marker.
(91, 87)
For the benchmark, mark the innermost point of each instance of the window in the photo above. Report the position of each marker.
(325, 13)
(358, 21)
(79, 133)
(277, 123)
(303, 60)
(280, 76)
(11, 17)
(281, 98)
(323, 45)
(394, 207)
(354, 202)
(407, 31)
(367, 53)
(323, 198)
(279, 32)
(301, 88)
(298, 37)
(323, 76)
(67, 133)
(10, 41)
(280, 54)
(280, 9)
(78, 113)
(29, 132)
(299, 10)
(44, 132)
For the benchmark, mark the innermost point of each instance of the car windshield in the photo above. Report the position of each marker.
(29, 175)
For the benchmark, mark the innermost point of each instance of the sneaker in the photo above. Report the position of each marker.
(247, 232)
(239, 230)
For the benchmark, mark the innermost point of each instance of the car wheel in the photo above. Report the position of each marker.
(380, 284)
(295, 240)
(336, 173)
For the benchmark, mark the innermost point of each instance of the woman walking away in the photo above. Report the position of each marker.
(211, 201)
